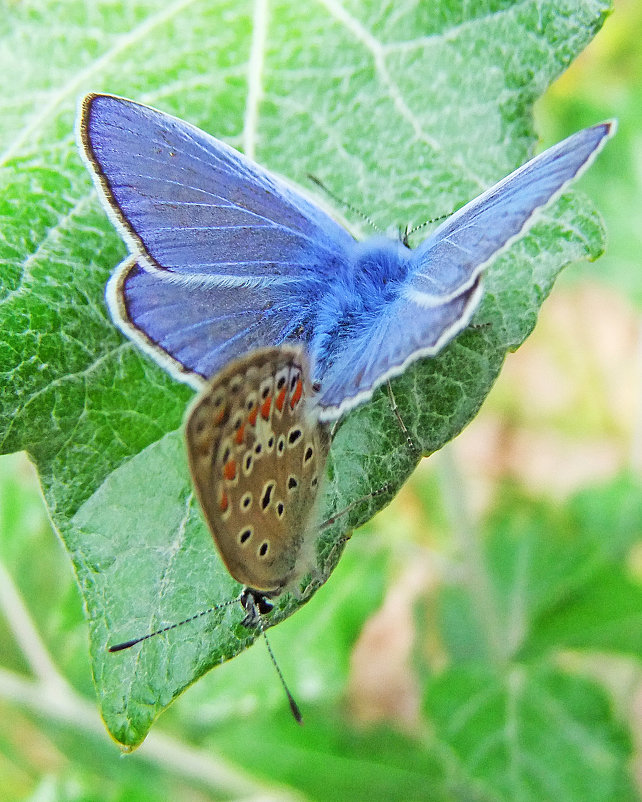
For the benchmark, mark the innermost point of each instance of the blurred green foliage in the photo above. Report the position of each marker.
(605, 82)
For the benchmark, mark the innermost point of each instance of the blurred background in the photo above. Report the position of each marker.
(561, 428)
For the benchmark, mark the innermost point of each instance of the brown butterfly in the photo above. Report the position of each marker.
(257, 453)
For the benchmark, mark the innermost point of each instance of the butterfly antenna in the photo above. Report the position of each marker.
(408, 232)
(129, 643)
(294, 707)
(344, 203)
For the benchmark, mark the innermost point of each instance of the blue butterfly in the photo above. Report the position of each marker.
(226, 257)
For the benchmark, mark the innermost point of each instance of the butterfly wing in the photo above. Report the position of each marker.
(257, 458)
(194, 331)
(228, 258)
(461, 247)
(442, 289)
(402, 332)
(204, 218)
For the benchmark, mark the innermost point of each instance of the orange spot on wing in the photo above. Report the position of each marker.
(252, 416)
(265, 408)
(229, 469)
(280, 400)
(238, 437)
(296, 395)
(219, 416)
(225, 502)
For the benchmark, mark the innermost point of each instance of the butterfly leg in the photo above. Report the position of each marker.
(480, 326)
(372, 494)
(328, 560)
(334, 518)
(402, 425)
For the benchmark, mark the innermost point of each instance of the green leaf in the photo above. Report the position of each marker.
(333, 760)
(605, 614)
(167, 571)
(538, 585)
(406, 112)
(600, 608)
(550, 582)
(509, 735)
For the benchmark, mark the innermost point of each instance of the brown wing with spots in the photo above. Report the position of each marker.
(257, 458)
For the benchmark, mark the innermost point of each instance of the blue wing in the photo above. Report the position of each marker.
(456, 253)
(401, 334)
(424, 297)
(227, 257)
(193, 331)
(195, 206)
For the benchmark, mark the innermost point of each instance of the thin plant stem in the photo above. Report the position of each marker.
(458, 509)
